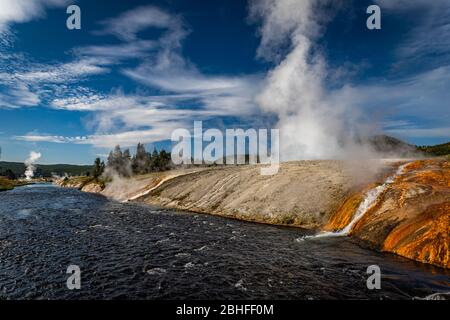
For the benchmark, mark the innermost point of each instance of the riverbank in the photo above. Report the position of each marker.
(410, 218)
(7, 184)
(83, 183)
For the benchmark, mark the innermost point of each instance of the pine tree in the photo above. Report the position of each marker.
(165, 160)
(154, 163)
(99, 168)
(116, 161)
(140, 160)
(110, 160)
(126, 163)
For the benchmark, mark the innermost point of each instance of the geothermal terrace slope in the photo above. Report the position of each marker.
(303, 193)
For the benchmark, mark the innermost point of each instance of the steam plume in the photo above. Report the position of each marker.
(29, 163)
(313, 123)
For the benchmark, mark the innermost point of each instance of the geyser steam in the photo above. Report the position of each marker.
(314, 123)
(29, 163)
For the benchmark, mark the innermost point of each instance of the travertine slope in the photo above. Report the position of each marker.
(303, 193)
(411, 218)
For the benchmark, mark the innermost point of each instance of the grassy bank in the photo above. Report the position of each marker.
(7, 184)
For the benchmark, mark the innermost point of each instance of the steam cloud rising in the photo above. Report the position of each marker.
(29, 163)
(313, 123)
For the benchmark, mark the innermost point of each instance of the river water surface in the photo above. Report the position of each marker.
(132, 251)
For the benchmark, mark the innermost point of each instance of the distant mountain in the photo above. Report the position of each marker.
(18, 169)
(390, 145)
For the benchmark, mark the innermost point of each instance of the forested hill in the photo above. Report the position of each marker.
(437, 150)
(18, 169)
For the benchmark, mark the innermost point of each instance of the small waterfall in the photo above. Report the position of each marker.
(370, 199)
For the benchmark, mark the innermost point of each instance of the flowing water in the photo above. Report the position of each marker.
(370, 198)
(138, 252)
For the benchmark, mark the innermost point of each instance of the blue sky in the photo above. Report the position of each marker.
(137, 70)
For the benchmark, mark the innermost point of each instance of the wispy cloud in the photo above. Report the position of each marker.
(185, 93)
(19, 11)
(408, 129)
(125, 138)
(30, 84)
(117, 113)
(127, 25)
(429, 39)
(226, 94)
(118, 52)
(59, 73)
(18, 96)
(422, 96)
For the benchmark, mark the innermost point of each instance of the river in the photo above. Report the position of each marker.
(133, 251)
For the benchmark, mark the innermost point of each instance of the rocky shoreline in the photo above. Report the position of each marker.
(411, 218)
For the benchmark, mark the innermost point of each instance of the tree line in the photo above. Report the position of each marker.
(126, 165)
(8, 173)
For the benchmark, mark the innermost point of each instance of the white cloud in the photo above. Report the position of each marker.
(46, 138)
(125, 138)
(185, 93)
(127, 25)
(422, 96)
(180, 79)
(124, 112)
(132, 118)
(135, 49)
(19, 11)
(18, 96)
(61, 73)
(20, 79)
(429, 37)
(230, 95)
(29, 84)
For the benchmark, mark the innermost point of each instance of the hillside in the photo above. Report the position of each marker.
(388, 145)
(437, 150)
(18, 169)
